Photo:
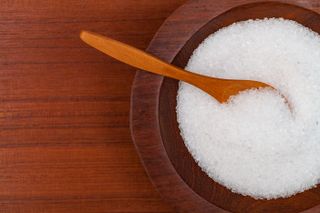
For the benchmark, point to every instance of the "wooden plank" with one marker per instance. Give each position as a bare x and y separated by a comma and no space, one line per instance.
65,142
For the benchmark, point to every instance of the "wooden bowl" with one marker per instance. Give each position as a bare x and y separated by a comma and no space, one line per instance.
153,117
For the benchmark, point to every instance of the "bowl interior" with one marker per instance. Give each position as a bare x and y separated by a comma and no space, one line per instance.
183,162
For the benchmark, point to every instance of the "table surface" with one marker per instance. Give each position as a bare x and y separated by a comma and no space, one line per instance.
65,142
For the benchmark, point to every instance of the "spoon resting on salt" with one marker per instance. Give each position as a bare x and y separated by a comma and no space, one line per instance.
220,89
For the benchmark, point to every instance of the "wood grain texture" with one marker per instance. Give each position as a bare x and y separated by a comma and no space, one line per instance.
65,143
154,125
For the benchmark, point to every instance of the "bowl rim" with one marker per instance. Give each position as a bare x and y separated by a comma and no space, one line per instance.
144,106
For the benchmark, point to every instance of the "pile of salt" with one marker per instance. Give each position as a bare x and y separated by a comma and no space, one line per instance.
254,145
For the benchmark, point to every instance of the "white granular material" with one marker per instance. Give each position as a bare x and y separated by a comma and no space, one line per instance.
254,145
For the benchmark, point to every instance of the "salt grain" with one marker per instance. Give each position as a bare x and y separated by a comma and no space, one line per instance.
254,145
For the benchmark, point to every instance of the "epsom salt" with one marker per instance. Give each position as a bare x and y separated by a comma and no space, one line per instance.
254,145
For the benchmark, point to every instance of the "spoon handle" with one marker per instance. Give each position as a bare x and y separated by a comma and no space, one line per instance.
137,58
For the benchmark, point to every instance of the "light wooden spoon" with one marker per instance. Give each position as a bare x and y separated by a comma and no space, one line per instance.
220,89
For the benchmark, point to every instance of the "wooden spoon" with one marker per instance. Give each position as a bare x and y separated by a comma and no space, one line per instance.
220,89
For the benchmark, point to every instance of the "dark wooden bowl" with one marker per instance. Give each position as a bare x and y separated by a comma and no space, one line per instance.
153,117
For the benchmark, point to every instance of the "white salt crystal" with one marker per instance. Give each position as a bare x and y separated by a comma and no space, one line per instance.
254,145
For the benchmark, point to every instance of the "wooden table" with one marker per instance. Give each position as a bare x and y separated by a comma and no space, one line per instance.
65,142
